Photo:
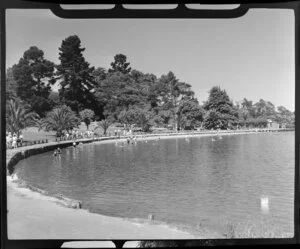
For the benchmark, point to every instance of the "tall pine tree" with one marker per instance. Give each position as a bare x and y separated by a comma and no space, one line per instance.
221,111
77,82
34,76
120,64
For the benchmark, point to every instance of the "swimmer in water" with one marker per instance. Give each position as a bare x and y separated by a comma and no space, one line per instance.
55,153
58,150
74,144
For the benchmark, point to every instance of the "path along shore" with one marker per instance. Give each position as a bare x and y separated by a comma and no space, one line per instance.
32,215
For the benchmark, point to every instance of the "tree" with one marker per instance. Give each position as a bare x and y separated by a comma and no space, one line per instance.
145,119
99,92
220,107
190,114
19,117
141,117
54,98
171,91
146,85
120,64
128,117
248,108
60,119
86,116
165,116
260,122
99,74
11,85
117,92
284,116
34,76
105,124
77,81
264,109
213,120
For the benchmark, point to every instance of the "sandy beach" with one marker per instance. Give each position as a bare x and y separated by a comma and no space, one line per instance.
32,215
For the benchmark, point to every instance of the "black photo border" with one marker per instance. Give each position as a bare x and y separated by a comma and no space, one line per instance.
119,12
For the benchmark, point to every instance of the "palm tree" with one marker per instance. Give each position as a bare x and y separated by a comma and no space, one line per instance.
19,117
60,119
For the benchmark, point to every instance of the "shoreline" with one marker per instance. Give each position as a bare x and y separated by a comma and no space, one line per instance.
44,147
37,210
32,215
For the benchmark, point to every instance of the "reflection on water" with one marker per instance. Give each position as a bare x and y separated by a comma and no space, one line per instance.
264,203
187,181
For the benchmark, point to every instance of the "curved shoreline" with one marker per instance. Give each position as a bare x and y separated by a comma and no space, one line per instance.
69,222
13,156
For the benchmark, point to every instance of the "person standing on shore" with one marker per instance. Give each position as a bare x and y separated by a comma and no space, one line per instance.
18,141
21,139
8,140
14,141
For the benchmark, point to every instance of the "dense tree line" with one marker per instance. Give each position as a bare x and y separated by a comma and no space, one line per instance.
122,95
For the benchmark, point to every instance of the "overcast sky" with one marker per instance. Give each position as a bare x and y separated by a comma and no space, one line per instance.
251,56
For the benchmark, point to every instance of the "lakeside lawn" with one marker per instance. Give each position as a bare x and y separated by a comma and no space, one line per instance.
32,133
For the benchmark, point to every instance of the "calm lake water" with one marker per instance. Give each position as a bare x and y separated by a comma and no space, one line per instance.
183,182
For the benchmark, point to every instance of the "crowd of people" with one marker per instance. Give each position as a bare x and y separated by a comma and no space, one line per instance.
123,132
13,140
75,134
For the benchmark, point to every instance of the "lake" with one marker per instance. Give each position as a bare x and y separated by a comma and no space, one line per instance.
192,183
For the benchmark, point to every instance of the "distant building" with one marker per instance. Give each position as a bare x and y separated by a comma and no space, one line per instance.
272,124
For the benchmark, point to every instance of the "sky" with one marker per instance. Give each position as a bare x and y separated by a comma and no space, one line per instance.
250,56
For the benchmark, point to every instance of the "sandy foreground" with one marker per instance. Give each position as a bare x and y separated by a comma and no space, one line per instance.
32,215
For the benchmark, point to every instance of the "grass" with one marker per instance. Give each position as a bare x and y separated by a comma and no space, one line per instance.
32,133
